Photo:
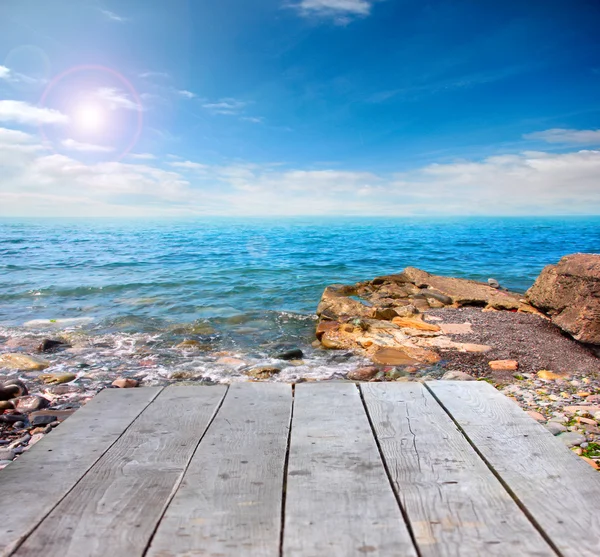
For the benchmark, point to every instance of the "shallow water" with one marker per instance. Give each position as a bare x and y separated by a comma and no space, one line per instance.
132,290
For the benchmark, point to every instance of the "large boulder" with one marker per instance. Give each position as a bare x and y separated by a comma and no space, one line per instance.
570,293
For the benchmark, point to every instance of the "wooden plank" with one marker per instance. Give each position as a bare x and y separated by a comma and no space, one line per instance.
115,508
558,489
39,479
229,503
454,503
339,500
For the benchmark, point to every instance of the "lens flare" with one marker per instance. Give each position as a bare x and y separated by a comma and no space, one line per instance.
89,118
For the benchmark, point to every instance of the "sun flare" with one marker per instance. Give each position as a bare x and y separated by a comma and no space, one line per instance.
89,118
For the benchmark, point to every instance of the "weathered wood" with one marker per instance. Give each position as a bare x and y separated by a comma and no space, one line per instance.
339,500
115,508
454,503
38,480
229,503
558,489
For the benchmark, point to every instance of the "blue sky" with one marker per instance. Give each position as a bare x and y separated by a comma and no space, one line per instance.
283,107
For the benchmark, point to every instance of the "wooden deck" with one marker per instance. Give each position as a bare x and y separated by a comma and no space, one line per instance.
319,470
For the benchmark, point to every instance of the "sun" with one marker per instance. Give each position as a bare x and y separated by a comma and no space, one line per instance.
89,118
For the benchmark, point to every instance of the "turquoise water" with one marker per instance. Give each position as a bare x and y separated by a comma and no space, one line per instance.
126,293
185,271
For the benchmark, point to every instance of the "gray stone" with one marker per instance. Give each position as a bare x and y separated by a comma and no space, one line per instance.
555,428
7,454
571,438
293,354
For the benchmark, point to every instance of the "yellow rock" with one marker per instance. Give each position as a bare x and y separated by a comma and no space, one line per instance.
470,347
23,362
504,365
189,345
549,375
415,323
57,378
584,394
392,357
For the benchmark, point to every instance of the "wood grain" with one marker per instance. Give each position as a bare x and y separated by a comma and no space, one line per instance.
229,503
558,489
39,479
114,509
339,500
455,505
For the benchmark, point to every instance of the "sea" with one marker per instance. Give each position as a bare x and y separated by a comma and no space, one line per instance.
127,293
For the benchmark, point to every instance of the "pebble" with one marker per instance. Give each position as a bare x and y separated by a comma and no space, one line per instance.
125,383
457,376
504,365
43,420
292,354
57,378
7,454
537,416
23,362
571,438
555,428
363,373
262,372
31,403
548,375
591,462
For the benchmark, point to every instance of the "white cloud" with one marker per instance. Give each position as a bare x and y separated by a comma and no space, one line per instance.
229,107
561,135
186,94
341,11
24,113
4,72
73,145
35,181
253,119
116,99
112,16
142,156
189,165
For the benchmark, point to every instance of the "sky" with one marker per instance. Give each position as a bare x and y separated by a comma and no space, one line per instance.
185,108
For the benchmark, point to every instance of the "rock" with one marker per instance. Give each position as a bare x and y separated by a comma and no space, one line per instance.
386,314
456,328
331,343
571,438
6,405
415,323
336,303
189,344
21,389
229,361
13,418
536,416
57,378
393,357
464,292
7,454
19,425
125,383
43,420
555,428
431,294
292,354
57,415
457,376
325,326
570,293
591,462
549,375
363,373
493,283
262,372
591,410
504,365
470,347
50,345
23,362
31,403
